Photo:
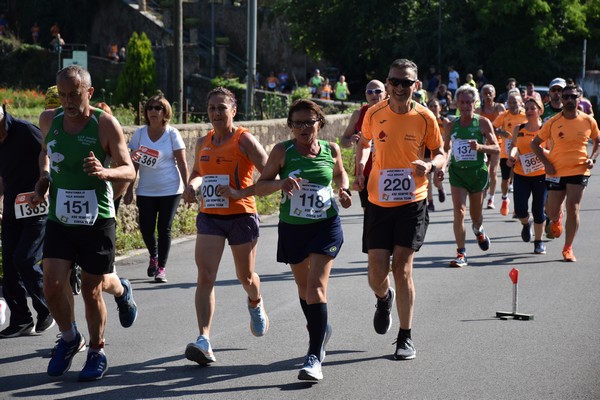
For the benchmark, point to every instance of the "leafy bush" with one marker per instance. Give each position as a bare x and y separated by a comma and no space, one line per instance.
301,92
275,106
138,76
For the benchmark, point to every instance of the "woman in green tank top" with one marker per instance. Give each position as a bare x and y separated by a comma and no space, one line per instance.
310,232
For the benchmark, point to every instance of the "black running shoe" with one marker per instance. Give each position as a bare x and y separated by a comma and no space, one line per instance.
382,321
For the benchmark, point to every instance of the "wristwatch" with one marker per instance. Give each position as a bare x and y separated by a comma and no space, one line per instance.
433,167
348,192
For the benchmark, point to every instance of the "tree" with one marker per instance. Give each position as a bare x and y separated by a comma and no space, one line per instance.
138,77
529,39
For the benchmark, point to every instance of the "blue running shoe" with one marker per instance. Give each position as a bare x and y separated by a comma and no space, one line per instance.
63,356
95,366
259,321
126,305
311,369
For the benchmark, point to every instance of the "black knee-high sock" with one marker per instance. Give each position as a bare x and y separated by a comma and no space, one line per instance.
304,306
317,323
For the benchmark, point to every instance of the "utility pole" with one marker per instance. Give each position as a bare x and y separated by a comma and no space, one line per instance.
213,64
251,57
178,25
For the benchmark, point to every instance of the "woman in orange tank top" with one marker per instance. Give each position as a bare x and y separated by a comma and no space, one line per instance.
223,169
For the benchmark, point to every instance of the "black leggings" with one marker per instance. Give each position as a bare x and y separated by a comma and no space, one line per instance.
150,209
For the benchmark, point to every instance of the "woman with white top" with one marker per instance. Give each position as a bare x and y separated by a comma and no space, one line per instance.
158,152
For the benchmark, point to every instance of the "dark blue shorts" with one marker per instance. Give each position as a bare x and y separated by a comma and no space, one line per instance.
238,229
296,242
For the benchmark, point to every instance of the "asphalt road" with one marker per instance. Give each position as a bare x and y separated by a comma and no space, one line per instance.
463,351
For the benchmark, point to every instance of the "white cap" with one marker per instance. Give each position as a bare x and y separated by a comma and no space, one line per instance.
557,82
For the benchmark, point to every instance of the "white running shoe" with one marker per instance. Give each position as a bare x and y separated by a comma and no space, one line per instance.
200,351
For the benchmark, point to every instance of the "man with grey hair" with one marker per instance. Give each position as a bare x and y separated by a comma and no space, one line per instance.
78,143
469,139
396,217
22,227
374,93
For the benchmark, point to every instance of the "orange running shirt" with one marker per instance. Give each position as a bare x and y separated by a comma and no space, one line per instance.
399,139
528,164
507,121
225,162
568,139
491,116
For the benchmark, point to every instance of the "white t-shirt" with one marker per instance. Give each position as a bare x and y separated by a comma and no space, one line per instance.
453,78
158,173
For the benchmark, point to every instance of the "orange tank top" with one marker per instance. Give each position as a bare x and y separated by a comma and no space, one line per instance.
225,162
491,116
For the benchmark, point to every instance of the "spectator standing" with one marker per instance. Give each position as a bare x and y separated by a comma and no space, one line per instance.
511,83
284,84
341,89
326,90
35,33
453,79
272,82
315,83
481,80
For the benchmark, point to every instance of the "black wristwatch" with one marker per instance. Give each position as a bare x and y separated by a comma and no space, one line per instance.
348,192
433,168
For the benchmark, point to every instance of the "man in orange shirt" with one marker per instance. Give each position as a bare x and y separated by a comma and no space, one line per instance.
567,164
396,217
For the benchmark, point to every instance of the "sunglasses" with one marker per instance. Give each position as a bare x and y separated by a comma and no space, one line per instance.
155,108
374,91
569,96
303,124
405,83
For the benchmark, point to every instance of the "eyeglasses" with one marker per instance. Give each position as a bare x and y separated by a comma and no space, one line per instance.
155,108
374,91
569,96
404,82
303,124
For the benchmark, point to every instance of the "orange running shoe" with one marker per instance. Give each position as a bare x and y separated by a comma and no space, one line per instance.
568,255
504,207
556,226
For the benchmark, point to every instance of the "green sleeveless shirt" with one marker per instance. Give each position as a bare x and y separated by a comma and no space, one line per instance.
314,202
461,155
77,199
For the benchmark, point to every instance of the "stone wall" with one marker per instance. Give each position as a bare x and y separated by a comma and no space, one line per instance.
268,133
